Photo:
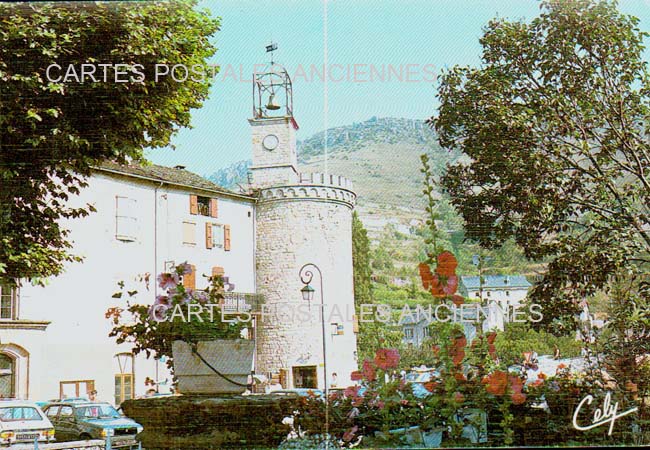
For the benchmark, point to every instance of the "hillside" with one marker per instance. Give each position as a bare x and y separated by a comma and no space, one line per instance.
381,156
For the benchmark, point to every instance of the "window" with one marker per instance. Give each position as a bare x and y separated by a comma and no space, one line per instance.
507,293
51,411
426,332
204,206
305,377
217,236
66,411
478,294
189,280
123,387
489,294
8,302
81,388
7,369
189,233
19,413
408,333
126,223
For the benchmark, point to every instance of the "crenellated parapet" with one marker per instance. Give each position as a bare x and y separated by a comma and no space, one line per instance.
313,187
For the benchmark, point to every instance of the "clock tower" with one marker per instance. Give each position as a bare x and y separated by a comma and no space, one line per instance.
273,129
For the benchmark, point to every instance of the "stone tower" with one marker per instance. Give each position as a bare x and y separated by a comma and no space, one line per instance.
300,219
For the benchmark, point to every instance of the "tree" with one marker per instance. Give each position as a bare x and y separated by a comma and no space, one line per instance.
361,262
53,132
555,125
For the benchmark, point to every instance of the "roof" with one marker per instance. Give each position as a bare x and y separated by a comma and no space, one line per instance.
169,175
496,282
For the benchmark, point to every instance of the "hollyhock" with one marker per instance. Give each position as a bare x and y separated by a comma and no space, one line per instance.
369,371
447,264
431,385
451,286
158,312
458,300
387,358
458,397
201,296
491,337
496,382
459,376
357,401
352,391
426,276
168,281
518,398
356,376
404,402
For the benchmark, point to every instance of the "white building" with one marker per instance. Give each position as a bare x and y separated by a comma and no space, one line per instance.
54,340
506,290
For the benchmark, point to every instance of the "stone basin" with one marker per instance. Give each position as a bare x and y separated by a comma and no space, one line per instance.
211,422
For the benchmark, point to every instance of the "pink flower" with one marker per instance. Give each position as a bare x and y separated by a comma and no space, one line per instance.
162,300
387,358
356,376
158,312
369,371
168,281
380,404
352,391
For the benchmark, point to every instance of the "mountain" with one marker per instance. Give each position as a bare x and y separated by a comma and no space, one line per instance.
381,156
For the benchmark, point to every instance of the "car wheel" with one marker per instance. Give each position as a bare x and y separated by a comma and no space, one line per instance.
85,437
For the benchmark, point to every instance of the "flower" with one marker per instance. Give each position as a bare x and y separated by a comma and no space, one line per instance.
561,366
349,435
352,391
369,371
356,376
431,385
447,264
541,376
518,398
497,382
458,300
426,276
158,312
404,402
387,358
168,281
458,397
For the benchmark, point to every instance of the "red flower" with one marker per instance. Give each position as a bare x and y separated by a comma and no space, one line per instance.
541,376
426,276
518,398
451,286
436,350
516,384
497,382
458,397
352,391
404,402
460,376
458,300
431,385
460,341
447,264
387,358
356,376
457,356
491,337
369,371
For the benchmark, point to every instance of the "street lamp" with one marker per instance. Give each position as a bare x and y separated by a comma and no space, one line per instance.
306,275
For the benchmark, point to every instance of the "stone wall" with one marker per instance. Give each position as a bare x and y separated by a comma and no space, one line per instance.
296,225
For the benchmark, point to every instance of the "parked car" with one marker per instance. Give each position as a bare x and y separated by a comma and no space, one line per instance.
23,421
85,420
300,392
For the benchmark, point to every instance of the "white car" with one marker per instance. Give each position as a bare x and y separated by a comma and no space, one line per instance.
23,421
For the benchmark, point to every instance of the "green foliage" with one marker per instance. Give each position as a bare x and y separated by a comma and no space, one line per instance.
361,262
519,338
52,133
554,126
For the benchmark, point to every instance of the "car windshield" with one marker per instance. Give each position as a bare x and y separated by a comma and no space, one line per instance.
97,412
16,413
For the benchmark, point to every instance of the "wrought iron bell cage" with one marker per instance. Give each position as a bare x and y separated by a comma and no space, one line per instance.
272,84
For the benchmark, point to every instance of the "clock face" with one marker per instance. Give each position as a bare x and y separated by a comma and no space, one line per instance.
270,142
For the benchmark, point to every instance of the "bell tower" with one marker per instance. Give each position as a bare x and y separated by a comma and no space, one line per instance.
273,127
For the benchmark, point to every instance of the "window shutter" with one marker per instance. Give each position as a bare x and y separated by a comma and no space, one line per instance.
217,271
208,235
214,208
226,238
189,280
194,204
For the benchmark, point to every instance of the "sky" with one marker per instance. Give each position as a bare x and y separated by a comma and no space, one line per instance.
409,40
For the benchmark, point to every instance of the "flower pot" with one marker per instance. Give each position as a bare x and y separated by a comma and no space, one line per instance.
221,366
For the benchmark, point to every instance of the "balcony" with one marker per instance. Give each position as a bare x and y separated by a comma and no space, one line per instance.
241,302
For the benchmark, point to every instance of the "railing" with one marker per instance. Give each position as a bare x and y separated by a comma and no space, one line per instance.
323,179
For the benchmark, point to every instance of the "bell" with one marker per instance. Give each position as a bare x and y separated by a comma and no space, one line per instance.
271,105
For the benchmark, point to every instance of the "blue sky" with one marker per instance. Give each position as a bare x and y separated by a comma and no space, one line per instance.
404,35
